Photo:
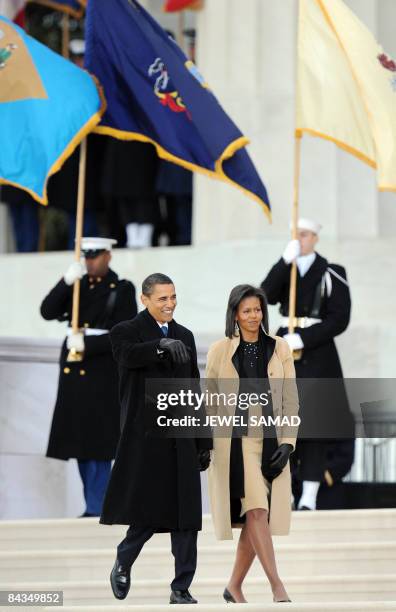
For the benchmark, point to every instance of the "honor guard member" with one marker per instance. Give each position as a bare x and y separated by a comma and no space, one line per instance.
323,307
86,420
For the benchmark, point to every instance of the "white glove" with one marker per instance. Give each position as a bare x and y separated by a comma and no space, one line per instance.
292,251
294,341
76,342
75,271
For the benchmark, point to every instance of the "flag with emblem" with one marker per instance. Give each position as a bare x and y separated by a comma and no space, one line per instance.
74,8
47,106
346,86
173,6
155,94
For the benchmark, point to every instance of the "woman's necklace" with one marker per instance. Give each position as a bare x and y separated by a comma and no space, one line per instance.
251,352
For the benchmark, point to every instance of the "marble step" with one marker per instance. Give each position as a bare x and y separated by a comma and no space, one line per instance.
351,606
157,563
322,526
301,589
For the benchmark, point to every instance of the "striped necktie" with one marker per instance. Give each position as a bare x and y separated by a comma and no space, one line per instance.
164,330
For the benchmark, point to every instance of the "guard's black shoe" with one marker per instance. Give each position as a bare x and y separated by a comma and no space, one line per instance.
182,597
120,580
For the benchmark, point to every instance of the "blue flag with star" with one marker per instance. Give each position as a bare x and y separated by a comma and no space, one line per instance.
155,94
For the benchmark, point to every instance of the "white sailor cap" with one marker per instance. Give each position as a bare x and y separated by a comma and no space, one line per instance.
309,224
94,246
77,46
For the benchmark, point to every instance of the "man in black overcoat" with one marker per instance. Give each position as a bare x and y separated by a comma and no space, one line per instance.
323,307
86,420
155,482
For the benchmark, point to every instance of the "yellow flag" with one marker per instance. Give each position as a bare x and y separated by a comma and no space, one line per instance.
346,86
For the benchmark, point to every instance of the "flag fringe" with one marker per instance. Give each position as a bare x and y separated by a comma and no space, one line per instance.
218,173
387,188
70,148
342,145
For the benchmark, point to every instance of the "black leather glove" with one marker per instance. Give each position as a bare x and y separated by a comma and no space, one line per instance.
203,460
177,350
278,461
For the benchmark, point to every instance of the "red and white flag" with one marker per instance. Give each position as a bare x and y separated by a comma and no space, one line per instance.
172,6
12,9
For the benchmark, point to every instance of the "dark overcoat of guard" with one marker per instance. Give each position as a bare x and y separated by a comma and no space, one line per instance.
328,300
86,418
322,294
155,479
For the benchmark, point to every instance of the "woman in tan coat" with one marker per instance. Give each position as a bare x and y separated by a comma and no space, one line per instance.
249,475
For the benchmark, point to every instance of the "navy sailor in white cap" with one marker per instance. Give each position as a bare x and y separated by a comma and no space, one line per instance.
323,307
86,420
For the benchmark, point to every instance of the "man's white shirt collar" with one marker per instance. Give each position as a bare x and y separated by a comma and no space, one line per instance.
163,324
304,262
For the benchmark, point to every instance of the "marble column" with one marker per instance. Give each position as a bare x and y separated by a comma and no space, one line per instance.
7,239
247,62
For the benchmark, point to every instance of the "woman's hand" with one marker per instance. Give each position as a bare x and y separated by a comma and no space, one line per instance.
279,460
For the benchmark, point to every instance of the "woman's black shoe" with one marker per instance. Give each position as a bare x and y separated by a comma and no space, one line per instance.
120,580
228,597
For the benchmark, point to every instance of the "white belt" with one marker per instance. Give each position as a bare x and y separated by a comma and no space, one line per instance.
89,331
301,322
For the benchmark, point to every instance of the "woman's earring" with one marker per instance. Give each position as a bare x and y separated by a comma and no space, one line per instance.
236,329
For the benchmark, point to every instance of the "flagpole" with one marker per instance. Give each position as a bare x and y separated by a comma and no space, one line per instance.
65,35
73,354
297,354
181,27
295,210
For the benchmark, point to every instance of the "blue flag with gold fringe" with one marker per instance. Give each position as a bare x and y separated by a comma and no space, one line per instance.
155,94
47,106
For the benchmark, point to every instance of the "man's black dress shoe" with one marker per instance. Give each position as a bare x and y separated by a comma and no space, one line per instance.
120,580
182,597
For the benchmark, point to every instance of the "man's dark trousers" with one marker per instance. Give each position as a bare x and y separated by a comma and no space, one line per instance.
184,550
